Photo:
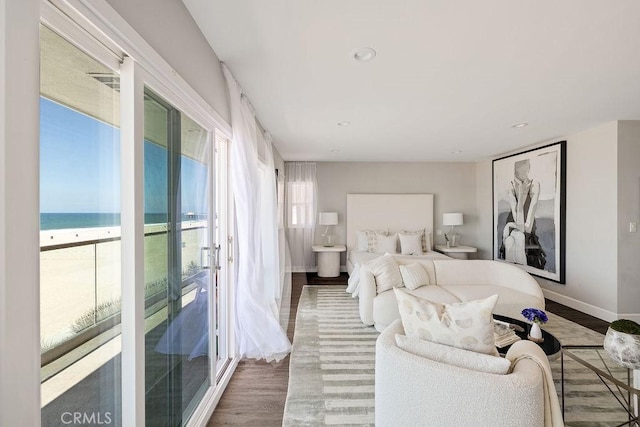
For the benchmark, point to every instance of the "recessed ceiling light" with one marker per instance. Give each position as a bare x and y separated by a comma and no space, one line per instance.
335,151
520,125
456,152
364,54
344,123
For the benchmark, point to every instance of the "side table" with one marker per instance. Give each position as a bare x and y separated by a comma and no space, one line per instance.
621,383
329,259
458,252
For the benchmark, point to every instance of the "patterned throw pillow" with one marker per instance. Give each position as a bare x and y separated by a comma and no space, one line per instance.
372,239
386,271
414,275
467,325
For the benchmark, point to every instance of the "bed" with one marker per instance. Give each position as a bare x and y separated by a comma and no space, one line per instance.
391,213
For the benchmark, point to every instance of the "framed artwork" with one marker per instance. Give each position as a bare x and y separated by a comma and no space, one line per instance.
529,194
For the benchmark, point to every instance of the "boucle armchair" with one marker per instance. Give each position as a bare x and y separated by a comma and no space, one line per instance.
412,390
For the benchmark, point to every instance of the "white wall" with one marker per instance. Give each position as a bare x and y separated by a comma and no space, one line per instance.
628,211
169,28
453,186
484,205
591,225
19,213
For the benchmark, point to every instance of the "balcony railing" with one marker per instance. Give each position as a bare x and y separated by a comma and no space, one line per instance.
80,284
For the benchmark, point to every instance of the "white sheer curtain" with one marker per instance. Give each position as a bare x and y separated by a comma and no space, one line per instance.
258,330
301,204
274,252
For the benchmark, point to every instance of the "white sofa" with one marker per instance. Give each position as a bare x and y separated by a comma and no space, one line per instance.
412,390
454,281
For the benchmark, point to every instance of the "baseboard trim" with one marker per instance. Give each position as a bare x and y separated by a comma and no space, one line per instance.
634,317
584,307
343,269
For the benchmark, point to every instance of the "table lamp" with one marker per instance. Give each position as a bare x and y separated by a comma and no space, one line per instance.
452,219
329,219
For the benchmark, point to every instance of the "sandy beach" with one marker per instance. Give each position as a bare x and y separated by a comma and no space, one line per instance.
73,279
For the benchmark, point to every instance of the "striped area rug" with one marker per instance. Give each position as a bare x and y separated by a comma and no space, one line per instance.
331,371
331,374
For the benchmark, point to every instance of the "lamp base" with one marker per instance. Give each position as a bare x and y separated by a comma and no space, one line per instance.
453,239
327,240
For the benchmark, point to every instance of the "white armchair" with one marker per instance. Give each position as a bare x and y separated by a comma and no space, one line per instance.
412,390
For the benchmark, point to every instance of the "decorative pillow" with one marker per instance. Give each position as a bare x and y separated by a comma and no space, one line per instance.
363,240
410,244
424,236
461,358
385,270
386,244
414,275
467,325
427,242
372,239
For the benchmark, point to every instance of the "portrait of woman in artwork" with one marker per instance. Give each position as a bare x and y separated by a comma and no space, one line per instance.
529,195
520,243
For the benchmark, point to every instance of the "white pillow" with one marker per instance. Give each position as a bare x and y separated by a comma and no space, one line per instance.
425,237
456,357
467,325
372,239
410,244
386,243
385,270
414,275
363,240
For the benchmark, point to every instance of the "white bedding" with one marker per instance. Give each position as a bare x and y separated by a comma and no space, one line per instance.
356,258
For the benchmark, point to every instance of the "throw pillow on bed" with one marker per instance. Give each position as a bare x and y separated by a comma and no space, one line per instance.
372,239
410,244
425,237
414,275
385,270
467,325
386,244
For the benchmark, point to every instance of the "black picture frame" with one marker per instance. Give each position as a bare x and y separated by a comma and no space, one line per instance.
529,210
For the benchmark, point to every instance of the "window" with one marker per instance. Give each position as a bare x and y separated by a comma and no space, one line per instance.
301,212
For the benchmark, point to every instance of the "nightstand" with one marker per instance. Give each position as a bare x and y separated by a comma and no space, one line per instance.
329,259
458,252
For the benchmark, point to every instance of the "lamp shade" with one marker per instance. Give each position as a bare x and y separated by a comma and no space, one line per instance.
328,218
454,218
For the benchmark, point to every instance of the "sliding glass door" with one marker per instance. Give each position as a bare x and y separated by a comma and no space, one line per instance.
178,273
92,136
80,260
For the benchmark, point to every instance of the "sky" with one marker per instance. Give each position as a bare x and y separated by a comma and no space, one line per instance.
80,167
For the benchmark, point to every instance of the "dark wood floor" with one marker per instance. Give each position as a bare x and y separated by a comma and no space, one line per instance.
257,391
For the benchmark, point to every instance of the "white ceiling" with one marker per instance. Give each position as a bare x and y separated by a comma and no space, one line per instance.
449,75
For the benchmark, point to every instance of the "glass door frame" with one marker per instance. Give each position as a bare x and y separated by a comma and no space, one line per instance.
83,20
134,80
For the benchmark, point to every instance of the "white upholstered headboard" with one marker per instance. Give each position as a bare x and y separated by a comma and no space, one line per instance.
394,212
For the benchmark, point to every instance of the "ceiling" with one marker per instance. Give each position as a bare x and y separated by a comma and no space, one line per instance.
448,76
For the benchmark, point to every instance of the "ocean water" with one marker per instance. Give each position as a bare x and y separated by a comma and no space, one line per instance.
56,221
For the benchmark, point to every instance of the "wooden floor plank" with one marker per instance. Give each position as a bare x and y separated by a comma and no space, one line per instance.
257,391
